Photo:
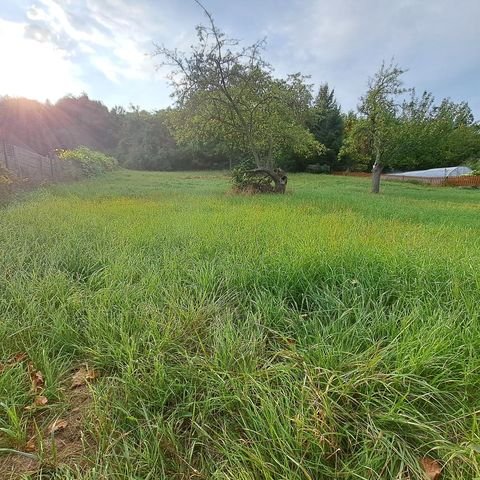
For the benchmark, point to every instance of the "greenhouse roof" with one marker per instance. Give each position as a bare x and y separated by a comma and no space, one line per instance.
436,172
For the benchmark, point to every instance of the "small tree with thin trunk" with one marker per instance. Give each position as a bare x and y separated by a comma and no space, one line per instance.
379,107
226,92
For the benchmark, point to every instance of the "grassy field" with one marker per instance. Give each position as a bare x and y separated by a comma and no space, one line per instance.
323,334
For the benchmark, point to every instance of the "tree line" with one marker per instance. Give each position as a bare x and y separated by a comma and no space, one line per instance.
426,134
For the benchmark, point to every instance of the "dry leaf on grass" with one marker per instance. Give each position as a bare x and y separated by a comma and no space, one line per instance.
41,401
36,378
31,445
17,358
57,426
82,376
431,467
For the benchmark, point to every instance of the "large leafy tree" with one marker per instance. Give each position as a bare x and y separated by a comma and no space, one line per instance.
356,150
145,141
430,135
228,93
43,127
326,123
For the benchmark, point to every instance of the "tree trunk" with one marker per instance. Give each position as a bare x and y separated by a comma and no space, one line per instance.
278,176
376,174
280,181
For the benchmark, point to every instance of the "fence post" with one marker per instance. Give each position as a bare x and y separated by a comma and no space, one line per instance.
51,167
5,154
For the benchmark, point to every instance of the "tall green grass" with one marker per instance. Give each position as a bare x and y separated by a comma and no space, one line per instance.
322,334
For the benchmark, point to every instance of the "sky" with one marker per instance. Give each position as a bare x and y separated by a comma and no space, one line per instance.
51,48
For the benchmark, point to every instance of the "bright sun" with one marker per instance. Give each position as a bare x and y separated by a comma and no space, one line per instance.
34,69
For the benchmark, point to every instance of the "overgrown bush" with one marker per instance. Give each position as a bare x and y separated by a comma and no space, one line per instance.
318,168
5,177
90,162
8,182
240,173
244,180
474,164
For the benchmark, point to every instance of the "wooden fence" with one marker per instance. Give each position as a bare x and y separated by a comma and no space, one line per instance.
462,181
33,167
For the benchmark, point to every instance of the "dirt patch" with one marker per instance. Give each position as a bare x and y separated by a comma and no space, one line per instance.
72,441
63,441
12,467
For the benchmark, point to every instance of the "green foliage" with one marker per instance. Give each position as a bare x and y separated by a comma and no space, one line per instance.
240,173
379,109
227,94
277,133
72,121
89,162
6,178
356,153
474,164
428,136
412,134
326,123
244,180
8,184
319,335
318,168
146,143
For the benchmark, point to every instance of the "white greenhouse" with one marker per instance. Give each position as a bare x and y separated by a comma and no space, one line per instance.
447,172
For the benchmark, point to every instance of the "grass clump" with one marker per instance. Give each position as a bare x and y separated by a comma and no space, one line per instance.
322,334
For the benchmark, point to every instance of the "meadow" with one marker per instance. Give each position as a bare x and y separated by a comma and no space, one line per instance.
325,333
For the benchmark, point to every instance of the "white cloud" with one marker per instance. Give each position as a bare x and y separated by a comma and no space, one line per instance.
35,69
115,44
344,42
51,14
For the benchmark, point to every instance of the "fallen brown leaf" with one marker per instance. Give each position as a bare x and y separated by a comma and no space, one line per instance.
57,426
31,445
41,400
36,378
17,358
431,467
82,376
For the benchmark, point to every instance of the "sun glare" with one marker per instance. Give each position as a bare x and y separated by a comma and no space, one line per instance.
35,70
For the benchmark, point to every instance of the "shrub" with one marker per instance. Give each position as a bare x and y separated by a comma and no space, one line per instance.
240,175
244,180
90,162
474,164
5,178
318,168
8,182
